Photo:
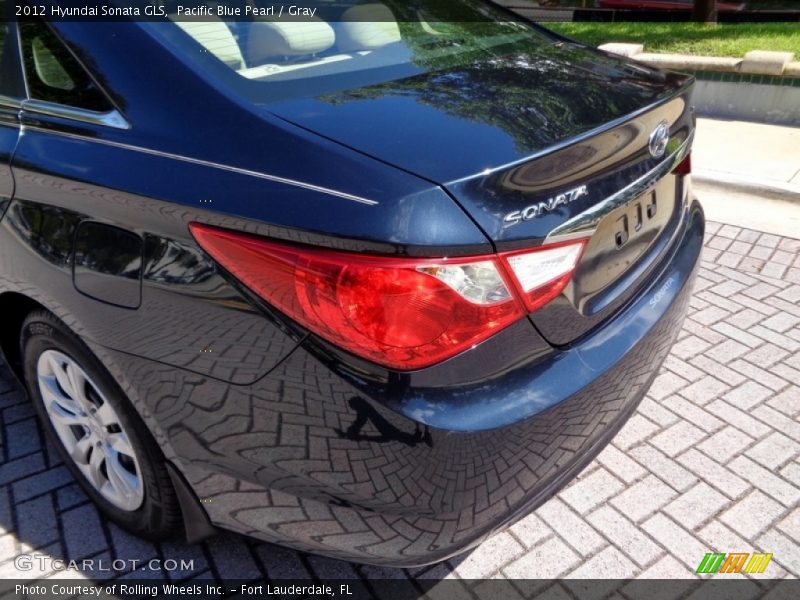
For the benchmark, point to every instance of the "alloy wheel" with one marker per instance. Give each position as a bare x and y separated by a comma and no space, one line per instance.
90,430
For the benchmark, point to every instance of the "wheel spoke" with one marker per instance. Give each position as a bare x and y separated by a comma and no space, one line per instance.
106,415
95,471
53,396
78,383
80,453
121,444
61,375
64,415
123,482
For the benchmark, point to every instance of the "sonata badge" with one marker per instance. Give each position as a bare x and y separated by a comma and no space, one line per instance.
540,208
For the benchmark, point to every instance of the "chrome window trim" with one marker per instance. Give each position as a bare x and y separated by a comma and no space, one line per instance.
21,60
9,102
112,118
585,224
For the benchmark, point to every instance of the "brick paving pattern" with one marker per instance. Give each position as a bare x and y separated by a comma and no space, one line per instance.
708,462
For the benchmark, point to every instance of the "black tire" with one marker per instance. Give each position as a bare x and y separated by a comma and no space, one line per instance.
158,517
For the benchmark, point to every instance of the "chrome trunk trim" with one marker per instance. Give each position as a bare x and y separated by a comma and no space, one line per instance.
585,224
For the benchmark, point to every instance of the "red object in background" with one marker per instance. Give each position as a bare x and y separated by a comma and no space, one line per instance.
685,168
679,5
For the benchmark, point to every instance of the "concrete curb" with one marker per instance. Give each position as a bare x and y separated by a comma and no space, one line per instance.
755,62
777,189
761,87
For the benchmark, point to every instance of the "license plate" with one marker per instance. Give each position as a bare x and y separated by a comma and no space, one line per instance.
623,237
639,215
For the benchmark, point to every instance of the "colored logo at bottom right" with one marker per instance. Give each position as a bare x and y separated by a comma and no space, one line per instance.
734,562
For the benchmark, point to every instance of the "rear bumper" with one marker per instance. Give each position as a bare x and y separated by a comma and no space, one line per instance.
386,470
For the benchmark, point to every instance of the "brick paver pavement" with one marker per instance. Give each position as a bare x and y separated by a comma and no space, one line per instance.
708,462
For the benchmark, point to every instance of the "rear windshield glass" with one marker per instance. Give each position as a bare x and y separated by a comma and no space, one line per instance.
344,44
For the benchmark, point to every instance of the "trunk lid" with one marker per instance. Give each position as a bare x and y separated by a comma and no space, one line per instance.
527,143
457,122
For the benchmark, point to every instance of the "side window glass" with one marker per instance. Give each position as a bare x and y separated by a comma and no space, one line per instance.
10,73
3,39
52,72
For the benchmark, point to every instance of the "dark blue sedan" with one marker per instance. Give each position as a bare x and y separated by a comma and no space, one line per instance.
371,282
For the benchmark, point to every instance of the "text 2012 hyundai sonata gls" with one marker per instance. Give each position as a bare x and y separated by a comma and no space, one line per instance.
371,284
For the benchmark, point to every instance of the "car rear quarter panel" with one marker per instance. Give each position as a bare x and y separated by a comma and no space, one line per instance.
381,469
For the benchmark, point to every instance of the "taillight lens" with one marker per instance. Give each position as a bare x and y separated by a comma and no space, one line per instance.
399,312
544,273
685,166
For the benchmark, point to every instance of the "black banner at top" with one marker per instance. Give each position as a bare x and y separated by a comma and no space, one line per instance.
303,10
163,10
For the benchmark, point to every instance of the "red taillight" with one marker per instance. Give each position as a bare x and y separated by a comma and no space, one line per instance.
399,312
543,274
685,166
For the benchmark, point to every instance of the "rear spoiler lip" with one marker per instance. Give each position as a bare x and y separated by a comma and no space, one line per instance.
688,84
